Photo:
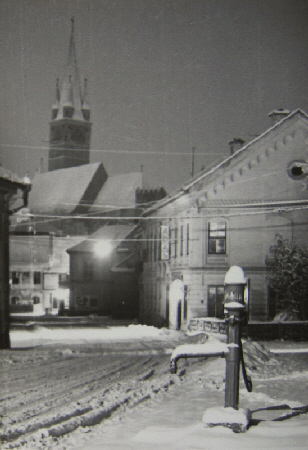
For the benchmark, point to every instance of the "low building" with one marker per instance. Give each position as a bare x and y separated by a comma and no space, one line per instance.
39,273
226,215
104,273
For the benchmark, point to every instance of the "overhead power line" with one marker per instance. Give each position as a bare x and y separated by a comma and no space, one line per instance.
120,151
264,210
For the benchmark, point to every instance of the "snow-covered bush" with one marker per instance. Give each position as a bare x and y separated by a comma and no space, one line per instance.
288,277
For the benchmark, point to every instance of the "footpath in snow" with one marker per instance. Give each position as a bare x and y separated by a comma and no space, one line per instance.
173,419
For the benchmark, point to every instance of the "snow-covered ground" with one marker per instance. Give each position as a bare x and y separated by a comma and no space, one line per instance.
111,388
66,335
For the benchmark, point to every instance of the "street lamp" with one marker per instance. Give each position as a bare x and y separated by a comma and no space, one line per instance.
103,248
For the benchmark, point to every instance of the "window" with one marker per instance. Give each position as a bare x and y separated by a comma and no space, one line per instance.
151,246
14,300
182,240
63,280
176,242
172,243
36,299
88,273
15,277
25,277
217,237
215,302
187,241
37,277
154,247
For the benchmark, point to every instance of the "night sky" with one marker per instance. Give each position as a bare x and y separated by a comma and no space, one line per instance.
163,76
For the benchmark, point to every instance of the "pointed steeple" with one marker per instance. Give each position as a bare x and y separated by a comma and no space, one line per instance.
70,97
70,127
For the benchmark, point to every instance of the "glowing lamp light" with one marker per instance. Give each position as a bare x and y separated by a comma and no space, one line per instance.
102,248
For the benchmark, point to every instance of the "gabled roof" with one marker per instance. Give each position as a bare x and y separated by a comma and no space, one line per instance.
212,172
115,234
62,190
118,192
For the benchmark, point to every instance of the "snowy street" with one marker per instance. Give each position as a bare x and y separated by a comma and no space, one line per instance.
112,388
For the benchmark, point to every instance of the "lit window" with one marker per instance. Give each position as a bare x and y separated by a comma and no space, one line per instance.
217,238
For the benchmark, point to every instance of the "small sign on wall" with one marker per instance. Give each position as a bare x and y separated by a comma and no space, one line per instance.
164,242
51,281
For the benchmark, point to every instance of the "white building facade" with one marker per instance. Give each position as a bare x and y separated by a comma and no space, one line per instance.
228,215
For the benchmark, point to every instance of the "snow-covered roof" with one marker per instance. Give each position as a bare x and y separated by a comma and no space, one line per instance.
115,234
7,175
118,192
61,191
212,171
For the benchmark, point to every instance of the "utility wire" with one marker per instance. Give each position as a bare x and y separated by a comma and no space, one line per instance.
98,150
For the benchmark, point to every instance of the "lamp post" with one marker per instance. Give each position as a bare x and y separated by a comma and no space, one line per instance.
235,282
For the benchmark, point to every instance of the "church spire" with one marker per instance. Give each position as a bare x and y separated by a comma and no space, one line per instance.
70,95
70,127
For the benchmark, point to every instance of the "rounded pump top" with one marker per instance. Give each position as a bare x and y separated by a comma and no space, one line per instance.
235,275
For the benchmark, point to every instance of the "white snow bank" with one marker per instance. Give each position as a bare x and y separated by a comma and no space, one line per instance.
82,335
227,416
208,348
255,397
288,350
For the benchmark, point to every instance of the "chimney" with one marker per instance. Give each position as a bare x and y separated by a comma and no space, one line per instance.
236,144
278,114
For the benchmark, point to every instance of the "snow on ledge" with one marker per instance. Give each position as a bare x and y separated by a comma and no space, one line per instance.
234,305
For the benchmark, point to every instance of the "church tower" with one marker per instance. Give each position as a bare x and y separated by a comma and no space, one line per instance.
70,127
